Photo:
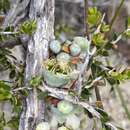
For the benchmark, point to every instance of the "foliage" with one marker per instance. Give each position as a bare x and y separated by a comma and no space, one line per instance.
94,16
4,5
35,81
28,27
9,63
5,91
62,63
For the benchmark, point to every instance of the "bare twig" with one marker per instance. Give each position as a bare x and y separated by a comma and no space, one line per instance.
8,33
12,16
116,13
120,37
85,18
94,82
99,27
98,96
111,125
84,67
22,88
117,88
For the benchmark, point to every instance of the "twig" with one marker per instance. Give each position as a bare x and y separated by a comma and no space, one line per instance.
111,125
120,37
84,67
98,96
19,89
12,15
85,18
116,13
94,81
22,39
8,33
97,92
100,25
123,101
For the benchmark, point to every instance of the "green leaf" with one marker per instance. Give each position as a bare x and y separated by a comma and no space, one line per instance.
35,81
4,5
42,95
104,116
127,34
112,81
12,74
85,94
108,46
5,91
105,27
99,39
94,16
128,22
128,74
13,123
103,52
28,27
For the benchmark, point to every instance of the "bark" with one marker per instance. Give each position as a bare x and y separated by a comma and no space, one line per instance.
18,11
11,19
43,12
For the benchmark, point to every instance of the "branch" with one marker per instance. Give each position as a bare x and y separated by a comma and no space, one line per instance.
120,37
20,89
100,25
8,33
85,18
89,55
63,94
116,13
22,39
37,51
117,88
17,12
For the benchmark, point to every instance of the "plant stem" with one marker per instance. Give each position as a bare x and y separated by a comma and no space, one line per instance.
86,33
98,96
123,101
116,13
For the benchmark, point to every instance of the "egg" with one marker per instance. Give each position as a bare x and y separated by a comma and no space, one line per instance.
73,122
43,126
75,49
54,122
65,107
55,46
82,42
63,128
63,57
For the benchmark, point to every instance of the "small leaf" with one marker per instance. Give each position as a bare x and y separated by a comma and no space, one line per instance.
128,22
35,81
104,116
94,16
28,27
12,74
85,94
5,93
42,95
99,39
105,27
